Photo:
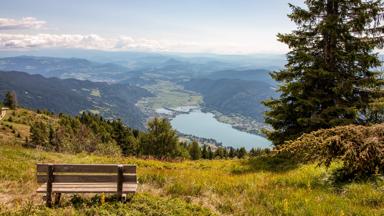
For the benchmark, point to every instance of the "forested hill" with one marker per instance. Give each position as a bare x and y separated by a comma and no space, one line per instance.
255,74
73,96
66,68
233,96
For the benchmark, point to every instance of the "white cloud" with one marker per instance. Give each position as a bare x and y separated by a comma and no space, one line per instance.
23,23
122,43
91,41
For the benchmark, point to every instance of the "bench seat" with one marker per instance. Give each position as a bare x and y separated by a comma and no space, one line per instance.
88,188
56,179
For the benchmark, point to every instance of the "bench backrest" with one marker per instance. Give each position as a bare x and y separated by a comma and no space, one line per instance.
82,173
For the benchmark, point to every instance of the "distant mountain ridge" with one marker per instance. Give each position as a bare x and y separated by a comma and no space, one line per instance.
66,68
254,74
73,96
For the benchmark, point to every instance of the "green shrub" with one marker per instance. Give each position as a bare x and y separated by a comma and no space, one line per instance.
360,148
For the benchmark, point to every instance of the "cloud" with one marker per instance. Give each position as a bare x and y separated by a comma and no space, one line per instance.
121,43
23,23
91,41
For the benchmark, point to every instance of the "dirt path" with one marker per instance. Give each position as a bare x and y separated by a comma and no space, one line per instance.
3,112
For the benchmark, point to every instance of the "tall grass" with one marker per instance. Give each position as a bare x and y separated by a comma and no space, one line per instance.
259,186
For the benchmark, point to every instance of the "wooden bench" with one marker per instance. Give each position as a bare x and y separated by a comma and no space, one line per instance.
85,178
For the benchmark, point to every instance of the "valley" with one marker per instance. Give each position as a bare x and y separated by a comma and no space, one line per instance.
136,90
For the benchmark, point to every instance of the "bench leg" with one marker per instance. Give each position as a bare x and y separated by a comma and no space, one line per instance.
57,198
48,199
49,185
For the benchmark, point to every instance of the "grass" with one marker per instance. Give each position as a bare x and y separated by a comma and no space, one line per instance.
258,186
167,94
221,187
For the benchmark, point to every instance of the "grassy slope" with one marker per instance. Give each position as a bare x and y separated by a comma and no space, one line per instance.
232,187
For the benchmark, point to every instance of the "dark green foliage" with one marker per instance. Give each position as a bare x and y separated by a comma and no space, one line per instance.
113,131
328,79
195,151
375,111
210,153
219,153
161,140
204,152
72,96
241,153
93,134
360,148
231,152
10,100
39,134
254,152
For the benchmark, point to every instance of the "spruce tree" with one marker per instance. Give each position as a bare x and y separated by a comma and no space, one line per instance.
204,152
241,152
210,153
10,100
195,151
328,80
161,140
39,134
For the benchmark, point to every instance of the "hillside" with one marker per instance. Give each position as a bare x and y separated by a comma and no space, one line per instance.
258,186
66,68
233,96
73,96
256,75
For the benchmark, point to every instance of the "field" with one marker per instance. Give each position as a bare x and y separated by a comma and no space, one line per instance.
168,94
259,186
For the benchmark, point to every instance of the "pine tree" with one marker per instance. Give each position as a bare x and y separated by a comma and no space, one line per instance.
161,139
241,152
204,152
39,134
328,79
231,153
195,151
10,100
210,153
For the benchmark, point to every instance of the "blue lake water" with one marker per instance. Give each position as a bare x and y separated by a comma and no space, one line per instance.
205,125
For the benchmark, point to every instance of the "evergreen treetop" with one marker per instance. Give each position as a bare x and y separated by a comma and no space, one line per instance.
10,100
328,80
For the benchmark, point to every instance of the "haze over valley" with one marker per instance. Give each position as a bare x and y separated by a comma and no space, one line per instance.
137,86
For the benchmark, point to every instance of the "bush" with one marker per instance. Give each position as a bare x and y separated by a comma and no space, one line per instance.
111,149
360,148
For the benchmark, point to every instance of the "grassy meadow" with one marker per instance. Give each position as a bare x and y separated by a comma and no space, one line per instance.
259,186
263,185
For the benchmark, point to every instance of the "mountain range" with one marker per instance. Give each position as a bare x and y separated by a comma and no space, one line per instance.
66,68
72,85
73,96
233,96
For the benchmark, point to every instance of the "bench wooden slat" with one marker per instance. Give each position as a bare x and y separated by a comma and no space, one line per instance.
86,178
111,188
85,185
89,168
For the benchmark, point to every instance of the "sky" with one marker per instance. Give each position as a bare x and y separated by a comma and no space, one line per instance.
190,26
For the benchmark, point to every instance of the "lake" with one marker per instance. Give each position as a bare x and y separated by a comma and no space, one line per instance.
205,125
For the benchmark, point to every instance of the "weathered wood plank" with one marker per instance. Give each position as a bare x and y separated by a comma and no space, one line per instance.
127,188
86,168
86,178
86,185
90,190
83,185
120,180
49,179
